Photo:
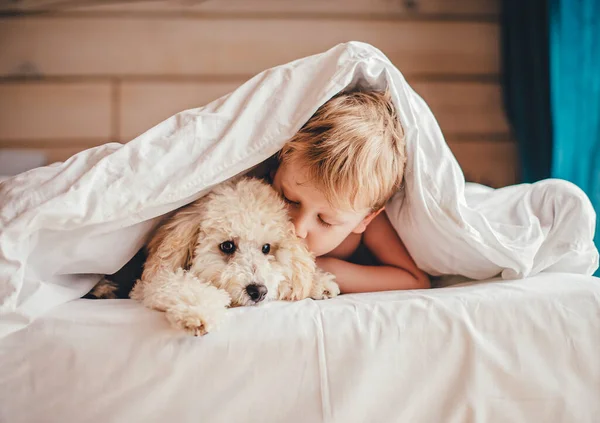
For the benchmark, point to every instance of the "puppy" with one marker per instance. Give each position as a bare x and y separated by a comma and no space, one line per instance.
233,247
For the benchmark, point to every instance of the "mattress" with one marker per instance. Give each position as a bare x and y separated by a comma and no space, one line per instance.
494,351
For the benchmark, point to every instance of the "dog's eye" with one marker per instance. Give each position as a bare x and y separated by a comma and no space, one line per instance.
228,247
266,248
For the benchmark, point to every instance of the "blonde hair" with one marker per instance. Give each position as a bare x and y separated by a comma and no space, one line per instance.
353,149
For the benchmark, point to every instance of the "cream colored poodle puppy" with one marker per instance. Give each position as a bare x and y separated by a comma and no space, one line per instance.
233,247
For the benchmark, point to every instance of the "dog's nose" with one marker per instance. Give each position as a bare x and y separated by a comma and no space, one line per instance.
256,292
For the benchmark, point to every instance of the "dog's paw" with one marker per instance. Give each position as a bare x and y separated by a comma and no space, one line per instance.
189,319
325,286
203,314
195,320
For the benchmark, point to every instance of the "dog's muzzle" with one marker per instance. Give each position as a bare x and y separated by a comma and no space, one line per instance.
256,292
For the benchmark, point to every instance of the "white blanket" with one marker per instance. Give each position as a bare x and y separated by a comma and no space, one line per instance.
64,224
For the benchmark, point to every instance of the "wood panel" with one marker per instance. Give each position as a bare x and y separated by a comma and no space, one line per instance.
465,108
492,163
460,107
387,8
144,104
54,111
109,70
191,47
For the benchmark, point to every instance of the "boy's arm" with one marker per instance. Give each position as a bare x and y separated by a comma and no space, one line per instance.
397,269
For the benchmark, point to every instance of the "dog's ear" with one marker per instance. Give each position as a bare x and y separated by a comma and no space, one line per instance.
172,245
300,267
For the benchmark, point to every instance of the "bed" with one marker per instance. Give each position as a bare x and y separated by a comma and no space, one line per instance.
493,351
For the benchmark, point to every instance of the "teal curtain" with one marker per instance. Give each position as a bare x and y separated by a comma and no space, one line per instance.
574,36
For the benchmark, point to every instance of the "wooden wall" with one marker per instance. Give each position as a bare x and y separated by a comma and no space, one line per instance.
77,77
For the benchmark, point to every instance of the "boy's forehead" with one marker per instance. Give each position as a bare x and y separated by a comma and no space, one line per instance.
294,172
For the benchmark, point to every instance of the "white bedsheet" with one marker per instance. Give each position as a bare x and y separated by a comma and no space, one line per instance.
501,351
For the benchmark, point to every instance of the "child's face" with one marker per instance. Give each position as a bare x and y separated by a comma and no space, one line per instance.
321,226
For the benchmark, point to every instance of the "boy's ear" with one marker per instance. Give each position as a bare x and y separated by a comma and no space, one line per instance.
362,226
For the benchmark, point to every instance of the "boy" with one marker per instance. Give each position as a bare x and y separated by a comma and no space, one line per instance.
336,174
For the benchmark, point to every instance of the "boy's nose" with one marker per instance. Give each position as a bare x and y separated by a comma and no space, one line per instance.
300,227
301,232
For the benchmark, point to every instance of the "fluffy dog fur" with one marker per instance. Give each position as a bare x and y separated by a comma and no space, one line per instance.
233,247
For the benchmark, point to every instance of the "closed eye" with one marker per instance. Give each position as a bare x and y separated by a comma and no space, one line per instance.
288,201
297,204
323,223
